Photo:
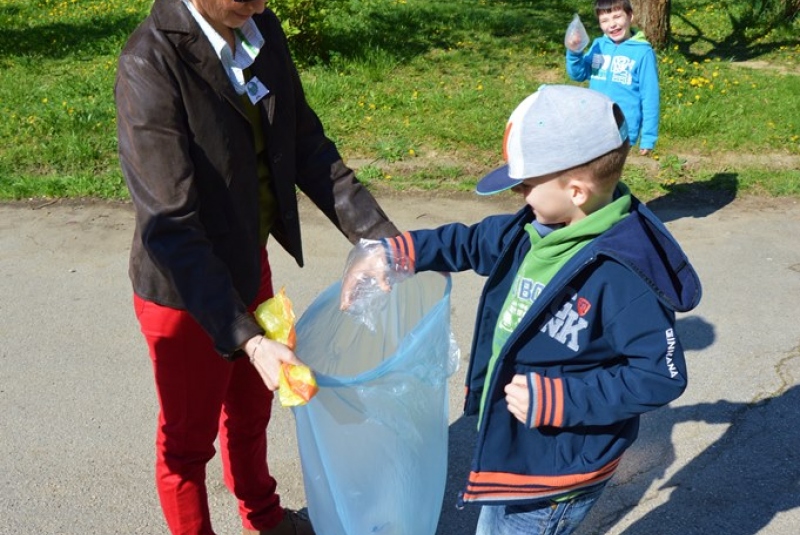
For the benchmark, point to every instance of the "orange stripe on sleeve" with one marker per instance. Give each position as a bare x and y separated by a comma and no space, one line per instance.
412,255
393,249
539,400
547,417
558,400
402,248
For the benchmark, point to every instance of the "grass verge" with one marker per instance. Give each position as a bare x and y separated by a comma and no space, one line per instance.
416,93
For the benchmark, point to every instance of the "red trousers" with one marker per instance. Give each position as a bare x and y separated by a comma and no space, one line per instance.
202,396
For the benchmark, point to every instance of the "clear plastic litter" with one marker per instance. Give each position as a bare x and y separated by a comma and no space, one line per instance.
370,273
576,38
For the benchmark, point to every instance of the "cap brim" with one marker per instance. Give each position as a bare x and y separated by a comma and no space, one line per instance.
495,182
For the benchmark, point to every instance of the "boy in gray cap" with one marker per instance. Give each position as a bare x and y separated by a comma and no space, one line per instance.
575,336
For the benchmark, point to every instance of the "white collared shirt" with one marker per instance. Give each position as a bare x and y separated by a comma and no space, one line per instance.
249,42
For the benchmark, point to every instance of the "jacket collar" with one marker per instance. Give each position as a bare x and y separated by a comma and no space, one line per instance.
177,24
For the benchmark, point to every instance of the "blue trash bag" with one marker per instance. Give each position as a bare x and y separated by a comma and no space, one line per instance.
373,441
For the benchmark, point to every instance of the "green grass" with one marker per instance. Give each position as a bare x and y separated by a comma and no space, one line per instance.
416,93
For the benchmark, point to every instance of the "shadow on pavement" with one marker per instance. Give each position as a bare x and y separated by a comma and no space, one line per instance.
735,486
739,483
697,199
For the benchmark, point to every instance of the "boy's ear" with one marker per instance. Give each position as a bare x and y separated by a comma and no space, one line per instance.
579,191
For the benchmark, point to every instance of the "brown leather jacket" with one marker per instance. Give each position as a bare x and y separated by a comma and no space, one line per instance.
187,154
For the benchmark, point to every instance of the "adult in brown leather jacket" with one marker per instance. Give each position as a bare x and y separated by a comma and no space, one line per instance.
212,172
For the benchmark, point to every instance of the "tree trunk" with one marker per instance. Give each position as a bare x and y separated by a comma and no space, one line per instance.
652,17
791,9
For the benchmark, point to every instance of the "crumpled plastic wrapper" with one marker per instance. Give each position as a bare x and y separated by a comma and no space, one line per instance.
369,275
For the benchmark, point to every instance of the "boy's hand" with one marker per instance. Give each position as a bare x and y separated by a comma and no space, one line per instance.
573,42
366,266
645,152
517,398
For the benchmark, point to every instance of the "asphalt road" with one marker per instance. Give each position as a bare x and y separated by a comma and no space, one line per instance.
78,408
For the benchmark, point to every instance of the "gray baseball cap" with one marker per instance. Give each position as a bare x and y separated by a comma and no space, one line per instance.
556,128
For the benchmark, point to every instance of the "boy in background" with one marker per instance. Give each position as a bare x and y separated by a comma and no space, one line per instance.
622,65
575,332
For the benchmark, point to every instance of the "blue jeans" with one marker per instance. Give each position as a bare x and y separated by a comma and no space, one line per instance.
540,518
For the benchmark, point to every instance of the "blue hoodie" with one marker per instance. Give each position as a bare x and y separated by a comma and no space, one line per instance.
598,346
628,74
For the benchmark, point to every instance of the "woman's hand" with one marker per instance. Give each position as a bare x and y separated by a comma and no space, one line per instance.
267,355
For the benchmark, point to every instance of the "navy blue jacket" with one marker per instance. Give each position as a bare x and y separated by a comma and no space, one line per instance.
598,347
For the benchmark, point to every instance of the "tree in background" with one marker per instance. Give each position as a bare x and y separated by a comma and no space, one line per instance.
750,19
652,17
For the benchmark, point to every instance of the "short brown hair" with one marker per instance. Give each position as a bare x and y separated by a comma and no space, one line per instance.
606,6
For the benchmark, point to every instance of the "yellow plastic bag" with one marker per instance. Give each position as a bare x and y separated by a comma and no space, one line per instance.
276,317
296,383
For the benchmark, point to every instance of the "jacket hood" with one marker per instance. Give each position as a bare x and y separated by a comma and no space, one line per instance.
637,38
643,244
